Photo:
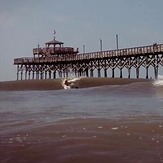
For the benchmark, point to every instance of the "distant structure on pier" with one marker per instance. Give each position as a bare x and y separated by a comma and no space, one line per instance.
54,49
54,60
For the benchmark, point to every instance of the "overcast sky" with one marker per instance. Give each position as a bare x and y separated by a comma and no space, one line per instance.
25,23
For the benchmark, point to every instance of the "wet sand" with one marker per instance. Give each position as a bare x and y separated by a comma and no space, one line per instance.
55,84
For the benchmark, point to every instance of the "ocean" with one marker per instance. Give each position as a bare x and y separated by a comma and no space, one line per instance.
113,123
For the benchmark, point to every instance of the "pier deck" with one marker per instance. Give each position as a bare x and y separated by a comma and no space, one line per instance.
48,65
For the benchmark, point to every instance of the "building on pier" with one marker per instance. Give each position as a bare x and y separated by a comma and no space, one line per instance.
55,60
52,49
52,52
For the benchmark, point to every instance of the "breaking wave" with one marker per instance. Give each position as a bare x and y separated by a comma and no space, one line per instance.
159,81
70,83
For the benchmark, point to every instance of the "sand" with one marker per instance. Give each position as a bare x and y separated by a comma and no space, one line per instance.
55,84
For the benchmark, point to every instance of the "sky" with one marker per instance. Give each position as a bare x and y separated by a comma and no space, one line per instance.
26,23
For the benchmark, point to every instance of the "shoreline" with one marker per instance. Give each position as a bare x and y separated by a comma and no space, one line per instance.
56,84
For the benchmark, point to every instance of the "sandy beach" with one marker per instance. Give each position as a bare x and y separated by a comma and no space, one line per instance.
55,84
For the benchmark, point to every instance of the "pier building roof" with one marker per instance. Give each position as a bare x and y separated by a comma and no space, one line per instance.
54,42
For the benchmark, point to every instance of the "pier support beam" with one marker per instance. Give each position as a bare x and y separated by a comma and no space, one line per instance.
45,74
121,73
33,75
80,72
87,73
113,74
60,74
156,71
147,77
37,75
18,75
17,72
49,74
66,73
54,75
99,73
105,72
21,75
76,73
91,72
41,75
129,73
26,75
137,72
29,75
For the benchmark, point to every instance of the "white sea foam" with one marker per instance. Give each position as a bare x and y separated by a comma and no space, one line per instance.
159,81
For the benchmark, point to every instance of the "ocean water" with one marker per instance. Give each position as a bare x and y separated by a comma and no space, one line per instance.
120,123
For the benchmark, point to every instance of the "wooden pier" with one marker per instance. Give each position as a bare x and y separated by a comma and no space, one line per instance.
55,60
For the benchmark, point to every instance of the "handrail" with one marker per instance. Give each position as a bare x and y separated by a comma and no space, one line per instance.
54,49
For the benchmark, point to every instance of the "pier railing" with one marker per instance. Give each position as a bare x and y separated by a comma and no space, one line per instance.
145,50
51,50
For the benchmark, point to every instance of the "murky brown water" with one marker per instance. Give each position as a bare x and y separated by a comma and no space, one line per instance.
103,124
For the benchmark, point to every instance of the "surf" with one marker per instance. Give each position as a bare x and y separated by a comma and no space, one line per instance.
71,83
159,81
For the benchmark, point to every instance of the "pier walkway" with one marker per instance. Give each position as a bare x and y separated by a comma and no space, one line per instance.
48,66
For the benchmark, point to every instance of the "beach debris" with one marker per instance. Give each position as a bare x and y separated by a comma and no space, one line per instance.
114,128
84,128
94,136
160,126
63,136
